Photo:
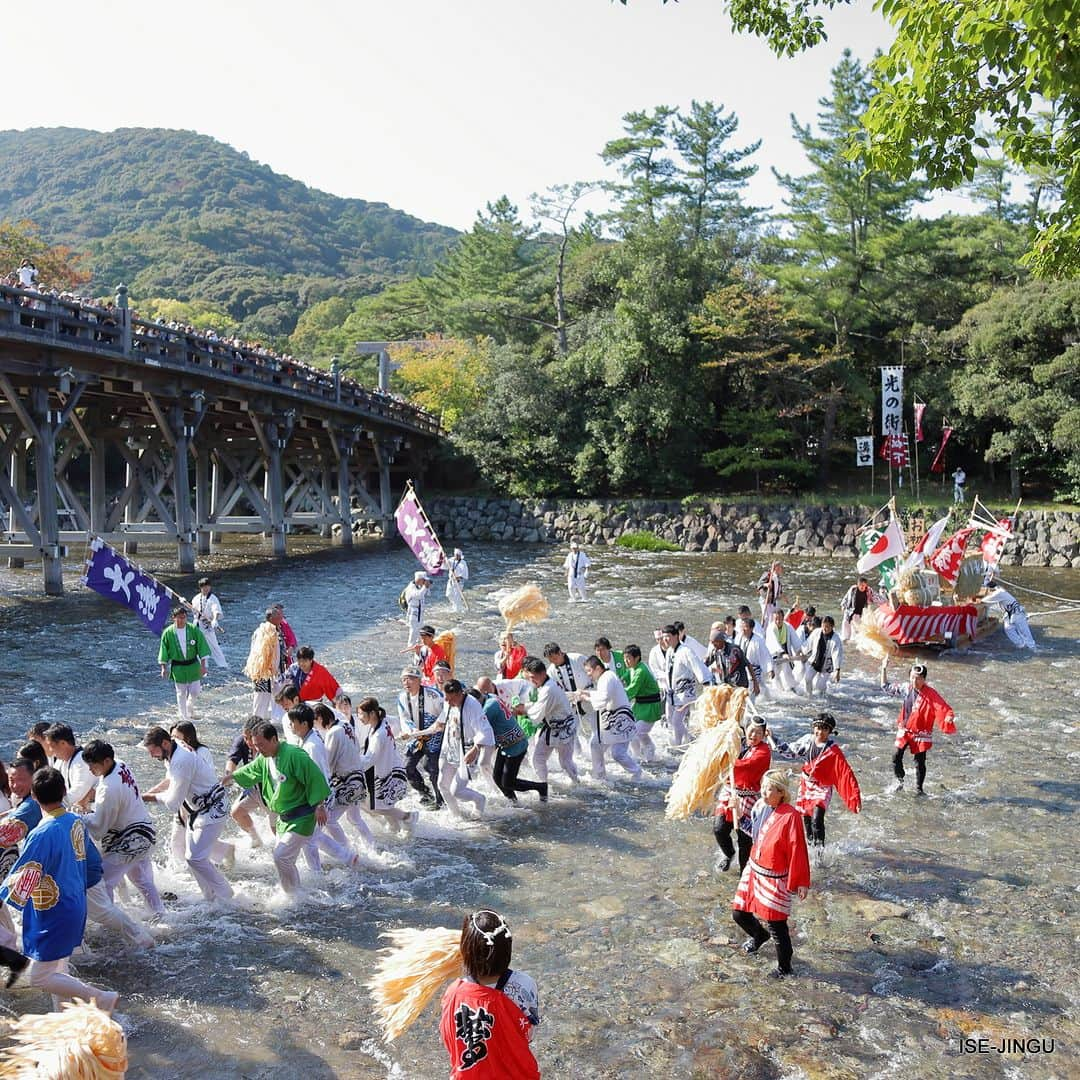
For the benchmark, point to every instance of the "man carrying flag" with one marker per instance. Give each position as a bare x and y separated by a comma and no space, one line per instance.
182,655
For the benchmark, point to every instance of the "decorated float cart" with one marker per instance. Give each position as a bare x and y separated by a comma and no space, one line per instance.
931,589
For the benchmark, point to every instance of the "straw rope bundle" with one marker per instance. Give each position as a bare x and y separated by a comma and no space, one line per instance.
78,1043
969,579
448,643
409,974
871,639
716,705
705,766
523,605
262,661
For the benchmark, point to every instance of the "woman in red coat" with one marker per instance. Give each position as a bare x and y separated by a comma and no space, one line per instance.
752,765
778,870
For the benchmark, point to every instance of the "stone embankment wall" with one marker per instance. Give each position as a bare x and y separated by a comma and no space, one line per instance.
1044,538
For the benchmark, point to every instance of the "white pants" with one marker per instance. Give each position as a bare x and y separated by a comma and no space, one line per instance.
140,873
816,683
620,752
333,842
575,586
849,625
676,718
454,786
101,909
1018,631
286,852
543,750
196,847
264,706
215,648
52,977
414,629
641,744
785,675
186,693
355,818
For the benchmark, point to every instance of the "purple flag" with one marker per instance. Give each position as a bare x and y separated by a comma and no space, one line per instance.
417,532
111,575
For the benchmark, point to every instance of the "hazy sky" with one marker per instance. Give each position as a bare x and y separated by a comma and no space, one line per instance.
433,106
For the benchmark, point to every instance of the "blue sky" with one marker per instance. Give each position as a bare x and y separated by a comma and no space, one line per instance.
432,107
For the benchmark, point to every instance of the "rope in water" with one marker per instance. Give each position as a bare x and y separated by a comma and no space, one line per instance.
1053,611
1036,592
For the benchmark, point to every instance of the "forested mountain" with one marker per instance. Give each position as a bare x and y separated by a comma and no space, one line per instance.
180,215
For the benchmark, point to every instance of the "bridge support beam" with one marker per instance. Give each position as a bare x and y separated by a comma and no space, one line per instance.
18,485
185,531
384,458
326,529
275,491
215,498
202,501
131,484
52,566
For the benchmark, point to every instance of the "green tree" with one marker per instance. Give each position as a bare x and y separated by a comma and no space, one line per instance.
643,157
712,179
57,265
1019,383
954,65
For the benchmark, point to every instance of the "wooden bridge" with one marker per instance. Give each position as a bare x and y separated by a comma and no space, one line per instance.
129,430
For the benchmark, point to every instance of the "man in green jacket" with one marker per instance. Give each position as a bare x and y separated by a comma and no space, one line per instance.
612,658
182,655
293,787
644,693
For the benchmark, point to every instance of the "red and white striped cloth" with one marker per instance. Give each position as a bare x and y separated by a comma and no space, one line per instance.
908,625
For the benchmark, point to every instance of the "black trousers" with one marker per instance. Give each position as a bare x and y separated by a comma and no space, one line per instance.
920,766
505,774
420,758
815,826
778,929
722,829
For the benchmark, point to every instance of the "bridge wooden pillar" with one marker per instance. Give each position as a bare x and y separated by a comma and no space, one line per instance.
202,500
52,566
326,529
384,457
185,533
274,489
98,495
18,484
215,498
131,483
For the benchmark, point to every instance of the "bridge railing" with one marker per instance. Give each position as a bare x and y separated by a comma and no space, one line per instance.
76,322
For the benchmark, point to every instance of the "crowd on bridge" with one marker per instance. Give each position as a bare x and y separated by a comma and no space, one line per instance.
172,338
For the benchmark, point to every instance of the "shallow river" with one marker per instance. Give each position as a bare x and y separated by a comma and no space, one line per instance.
949,916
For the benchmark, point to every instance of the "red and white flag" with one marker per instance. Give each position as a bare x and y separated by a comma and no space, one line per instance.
938,464
947,559
889,545
993,543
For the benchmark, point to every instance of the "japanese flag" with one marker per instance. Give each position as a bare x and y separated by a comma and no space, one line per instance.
889,545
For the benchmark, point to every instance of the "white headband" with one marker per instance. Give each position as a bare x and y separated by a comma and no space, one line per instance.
490,935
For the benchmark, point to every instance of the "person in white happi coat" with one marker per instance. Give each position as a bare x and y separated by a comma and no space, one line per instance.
823,655
303,734
346,777
384,771
568,670
416,594
689,640
681,673
457,573
856,600
657,663
576,564
418,707
770,589
208,617
755,651
784,644
66,756
121,826
549,708
1014,618
192,792
615,725
466,735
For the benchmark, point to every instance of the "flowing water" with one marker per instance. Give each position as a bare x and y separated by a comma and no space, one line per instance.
936,918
